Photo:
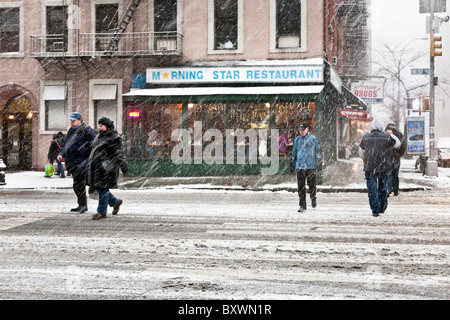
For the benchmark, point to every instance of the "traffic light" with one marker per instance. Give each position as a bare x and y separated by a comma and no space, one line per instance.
425,104
414,104
434,46
418,104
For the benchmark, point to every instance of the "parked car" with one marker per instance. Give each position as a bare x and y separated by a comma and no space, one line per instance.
443,147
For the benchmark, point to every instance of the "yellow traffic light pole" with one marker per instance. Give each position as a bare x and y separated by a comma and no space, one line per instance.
433,53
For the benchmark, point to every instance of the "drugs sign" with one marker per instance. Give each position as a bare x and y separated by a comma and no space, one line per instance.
371,92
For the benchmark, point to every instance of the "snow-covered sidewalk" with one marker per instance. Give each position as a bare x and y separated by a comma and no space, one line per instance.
410,180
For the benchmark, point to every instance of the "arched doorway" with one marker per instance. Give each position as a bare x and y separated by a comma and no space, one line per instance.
17,134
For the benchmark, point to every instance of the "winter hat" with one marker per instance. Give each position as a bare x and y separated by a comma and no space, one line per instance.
106,122
303,126
391,126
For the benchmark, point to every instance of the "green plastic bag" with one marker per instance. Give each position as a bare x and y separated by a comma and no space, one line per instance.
48,169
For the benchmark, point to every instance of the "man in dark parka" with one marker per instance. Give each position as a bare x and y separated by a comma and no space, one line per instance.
76,149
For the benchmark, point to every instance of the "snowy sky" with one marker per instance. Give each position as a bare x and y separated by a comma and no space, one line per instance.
398,23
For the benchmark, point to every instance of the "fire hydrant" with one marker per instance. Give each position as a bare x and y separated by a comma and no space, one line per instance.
2,172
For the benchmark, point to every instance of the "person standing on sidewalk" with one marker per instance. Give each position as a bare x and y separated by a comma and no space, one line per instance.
106,158
396,154
52,155
76,150
375,150
306,159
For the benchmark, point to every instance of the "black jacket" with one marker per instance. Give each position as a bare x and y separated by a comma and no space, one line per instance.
55,148
106,158
77,147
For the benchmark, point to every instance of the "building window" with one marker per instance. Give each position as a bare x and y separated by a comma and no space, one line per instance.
54,98
105,102
165,24
288,25
165,15
106,21
225,26
9,30
55,118
57,30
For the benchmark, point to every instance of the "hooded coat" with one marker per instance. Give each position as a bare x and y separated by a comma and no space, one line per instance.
106,158
375,148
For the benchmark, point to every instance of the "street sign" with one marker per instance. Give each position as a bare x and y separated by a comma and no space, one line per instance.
420,71
352,113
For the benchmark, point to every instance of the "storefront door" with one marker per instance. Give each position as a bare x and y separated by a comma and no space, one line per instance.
17,135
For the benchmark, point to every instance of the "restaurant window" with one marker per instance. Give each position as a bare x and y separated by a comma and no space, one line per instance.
250,115
211,116
254,119
55,103
106,22
288,116
57,30
9,30
150,127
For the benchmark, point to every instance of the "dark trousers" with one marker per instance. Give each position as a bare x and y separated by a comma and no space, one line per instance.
79,186
377,188
393,179
395,172
310,176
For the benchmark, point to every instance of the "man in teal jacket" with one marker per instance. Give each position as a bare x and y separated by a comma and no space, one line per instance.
305,161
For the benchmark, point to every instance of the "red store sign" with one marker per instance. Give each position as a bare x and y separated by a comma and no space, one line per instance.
352,113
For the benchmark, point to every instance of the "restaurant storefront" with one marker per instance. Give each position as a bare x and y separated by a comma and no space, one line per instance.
217,120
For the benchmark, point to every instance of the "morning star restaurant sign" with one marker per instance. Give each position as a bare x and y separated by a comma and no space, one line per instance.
239,74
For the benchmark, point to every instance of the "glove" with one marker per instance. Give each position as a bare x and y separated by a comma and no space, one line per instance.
319,166
292,168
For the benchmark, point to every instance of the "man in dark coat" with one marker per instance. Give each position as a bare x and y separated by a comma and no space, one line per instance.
76,150
375,150
396,154
106,158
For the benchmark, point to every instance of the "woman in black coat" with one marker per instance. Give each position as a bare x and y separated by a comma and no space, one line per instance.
106,158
